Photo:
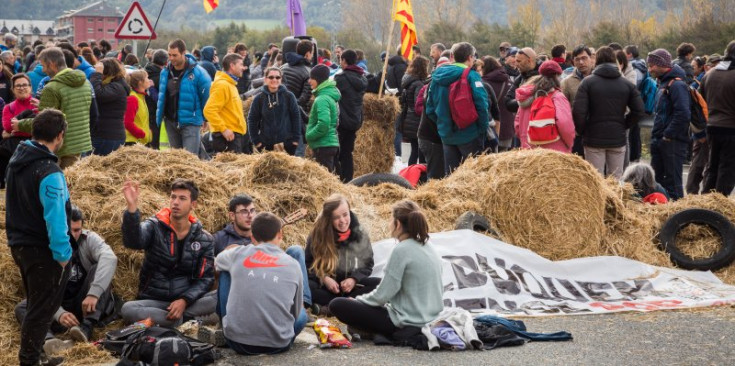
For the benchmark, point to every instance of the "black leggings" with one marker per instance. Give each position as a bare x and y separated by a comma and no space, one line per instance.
321,296
373,319
416,157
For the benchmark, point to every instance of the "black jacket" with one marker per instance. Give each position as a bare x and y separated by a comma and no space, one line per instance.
151,99
687,67
511,104
394,75
500,82
296,78
226,237
427,127
274,117
354,256
112,100
351,83
25,222
170,271
408,122
600,107
243,84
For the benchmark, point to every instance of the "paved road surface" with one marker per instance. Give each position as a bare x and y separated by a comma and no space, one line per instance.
697,337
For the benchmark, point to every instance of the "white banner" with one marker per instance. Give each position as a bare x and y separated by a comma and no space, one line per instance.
485,275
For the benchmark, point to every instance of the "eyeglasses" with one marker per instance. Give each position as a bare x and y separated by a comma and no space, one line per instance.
245,212
21,86
502,49
274,77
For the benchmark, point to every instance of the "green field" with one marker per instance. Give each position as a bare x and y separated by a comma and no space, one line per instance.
255,24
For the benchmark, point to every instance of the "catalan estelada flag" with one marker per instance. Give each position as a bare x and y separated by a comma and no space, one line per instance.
404,14
210,5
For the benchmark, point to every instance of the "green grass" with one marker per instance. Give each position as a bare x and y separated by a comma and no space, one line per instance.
255,24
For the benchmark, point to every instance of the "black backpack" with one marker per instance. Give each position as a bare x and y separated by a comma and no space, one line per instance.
157,346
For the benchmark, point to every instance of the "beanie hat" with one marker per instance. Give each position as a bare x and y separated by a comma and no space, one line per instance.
442,61
659,57
320,73
550,69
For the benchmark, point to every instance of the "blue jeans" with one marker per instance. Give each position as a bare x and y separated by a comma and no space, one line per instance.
301,148
223,293
183,137
296,252
454,155
104,147
667,161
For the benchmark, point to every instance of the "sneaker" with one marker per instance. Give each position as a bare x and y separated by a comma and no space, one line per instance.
50,361
215,336
359,335
320,310
80,333
54,346
210,319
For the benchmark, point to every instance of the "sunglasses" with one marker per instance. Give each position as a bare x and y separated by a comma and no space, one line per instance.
274,77
501,49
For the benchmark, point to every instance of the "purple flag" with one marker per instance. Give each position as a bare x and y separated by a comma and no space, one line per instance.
295,18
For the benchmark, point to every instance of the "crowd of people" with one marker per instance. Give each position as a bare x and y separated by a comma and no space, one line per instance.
73,101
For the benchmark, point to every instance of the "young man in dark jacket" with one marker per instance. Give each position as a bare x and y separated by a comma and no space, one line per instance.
351,83
178,268
37,224
296,78
599,114
154,68
685,53
670,133
718,89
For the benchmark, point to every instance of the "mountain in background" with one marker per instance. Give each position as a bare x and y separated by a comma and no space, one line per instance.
256,14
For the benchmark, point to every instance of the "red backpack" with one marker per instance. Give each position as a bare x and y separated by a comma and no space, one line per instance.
542,128
461,103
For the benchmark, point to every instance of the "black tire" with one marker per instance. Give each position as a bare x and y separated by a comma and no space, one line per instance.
474,221
373,179
714,220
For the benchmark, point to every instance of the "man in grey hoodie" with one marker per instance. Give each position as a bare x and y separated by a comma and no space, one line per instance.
87,298
267,282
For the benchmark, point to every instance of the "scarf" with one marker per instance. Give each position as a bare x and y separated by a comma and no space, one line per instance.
342,237
560,60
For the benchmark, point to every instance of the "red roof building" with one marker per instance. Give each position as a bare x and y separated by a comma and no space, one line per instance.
96,21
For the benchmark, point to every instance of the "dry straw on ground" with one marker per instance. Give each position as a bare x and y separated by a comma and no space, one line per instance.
551,203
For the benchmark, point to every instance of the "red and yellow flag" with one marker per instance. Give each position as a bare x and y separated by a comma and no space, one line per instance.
210,5
404,14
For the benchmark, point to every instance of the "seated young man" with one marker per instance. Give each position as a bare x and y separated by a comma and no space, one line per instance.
87,298
177,272
260,292
241,212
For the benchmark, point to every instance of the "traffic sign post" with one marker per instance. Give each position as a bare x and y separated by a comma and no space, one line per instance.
135,25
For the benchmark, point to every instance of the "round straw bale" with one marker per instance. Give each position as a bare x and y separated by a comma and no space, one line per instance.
546,201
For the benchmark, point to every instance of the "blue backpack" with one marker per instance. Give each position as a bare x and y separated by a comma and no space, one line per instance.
648,89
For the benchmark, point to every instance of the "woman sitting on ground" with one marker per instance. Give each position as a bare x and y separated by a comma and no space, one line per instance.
643,179
410,293
339,256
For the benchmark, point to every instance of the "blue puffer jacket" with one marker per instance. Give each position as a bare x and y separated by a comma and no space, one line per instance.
672,112
36,76
437,105
193,94
85,67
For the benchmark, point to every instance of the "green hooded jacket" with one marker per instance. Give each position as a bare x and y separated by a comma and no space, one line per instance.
322,128
71,93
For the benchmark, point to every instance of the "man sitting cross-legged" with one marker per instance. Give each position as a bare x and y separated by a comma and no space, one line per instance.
177,272
260,292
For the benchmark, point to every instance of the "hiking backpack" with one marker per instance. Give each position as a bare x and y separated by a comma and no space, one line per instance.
648,89
461,104
542,127
697,106
157,346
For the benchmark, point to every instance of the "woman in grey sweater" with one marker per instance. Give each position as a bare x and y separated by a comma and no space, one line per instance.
410,293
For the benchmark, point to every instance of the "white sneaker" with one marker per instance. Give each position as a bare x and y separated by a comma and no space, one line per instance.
54,346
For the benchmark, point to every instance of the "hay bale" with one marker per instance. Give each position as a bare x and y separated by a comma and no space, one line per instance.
374,150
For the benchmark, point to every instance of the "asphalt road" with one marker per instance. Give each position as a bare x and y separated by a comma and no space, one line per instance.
690,337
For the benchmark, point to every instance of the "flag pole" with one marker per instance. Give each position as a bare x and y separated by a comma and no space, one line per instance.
387,50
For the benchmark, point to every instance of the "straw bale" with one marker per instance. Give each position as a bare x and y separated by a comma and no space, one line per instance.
374,151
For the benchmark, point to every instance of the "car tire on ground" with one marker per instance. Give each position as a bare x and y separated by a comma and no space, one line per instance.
473,221
719,223
373,179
